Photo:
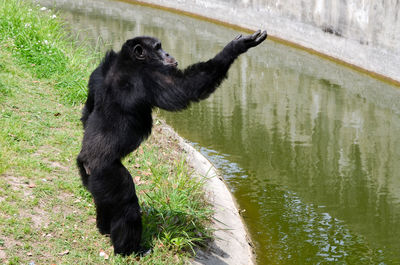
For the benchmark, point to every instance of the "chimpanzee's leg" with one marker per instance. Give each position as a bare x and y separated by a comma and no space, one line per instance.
126,225
117,206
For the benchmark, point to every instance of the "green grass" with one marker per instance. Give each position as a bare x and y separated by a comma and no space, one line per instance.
37,40
46,216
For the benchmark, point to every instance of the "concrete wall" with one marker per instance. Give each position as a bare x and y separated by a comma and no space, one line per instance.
365,33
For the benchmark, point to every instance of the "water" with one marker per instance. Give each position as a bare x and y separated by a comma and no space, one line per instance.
309,149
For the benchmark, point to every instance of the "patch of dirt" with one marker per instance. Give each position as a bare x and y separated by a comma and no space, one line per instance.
55,164
67,207
166,141
3,255
44,152
38,216
8,244
19,184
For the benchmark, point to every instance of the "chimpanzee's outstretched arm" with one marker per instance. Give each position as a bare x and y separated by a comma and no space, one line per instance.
175,89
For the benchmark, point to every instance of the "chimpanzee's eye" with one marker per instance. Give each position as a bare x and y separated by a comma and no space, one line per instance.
158,46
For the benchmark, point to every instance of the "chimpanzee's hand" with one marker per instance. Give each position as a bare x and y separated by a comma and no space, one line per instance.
242,43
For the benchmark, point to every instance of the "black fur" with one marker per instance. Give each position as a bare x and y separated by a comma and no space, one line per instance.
123,90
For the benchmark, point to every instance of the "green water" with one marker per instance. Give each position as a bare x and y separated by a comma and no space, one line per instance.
309,149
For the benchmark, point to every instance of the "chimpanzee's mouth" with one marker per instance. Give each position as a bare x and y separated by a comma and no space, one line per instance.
175,64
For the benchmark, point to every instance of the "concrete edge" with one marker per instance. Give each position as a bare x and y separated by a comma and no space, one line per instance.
232,245
311,39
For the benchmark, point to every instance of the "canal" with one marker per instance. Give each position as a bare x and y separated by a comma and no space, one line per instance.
309,149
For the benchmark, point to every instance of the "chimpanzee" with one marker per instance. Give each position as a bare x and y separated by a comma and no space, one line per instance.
123,90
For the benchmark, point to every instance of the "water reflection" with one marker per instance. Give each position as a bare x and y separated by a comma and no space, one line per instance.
315,153
309,149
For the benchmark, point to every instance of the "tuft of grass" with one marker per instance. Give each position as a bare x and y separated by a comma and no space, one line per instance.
173,204
46,216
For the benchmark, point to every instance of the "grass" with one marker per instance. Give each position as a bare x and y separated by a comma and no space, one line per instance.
46,216
37,40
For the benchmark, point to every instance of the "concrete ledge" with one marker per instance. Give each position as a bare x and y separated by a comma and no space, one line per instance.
231,245
354,43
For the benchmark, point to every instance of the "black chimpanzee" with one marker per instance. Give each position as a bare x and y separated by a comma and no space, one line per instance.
123,90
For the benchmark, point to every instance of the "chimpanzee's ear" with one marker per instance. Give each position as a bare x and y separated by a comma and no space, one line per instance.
139,52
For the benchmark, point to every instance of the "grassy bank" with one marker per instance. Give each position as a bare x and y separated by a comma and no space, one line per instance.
46,216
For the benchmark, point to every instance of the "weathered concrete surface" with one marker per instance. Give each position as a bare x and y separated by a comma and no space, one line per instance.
231,245
365,33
